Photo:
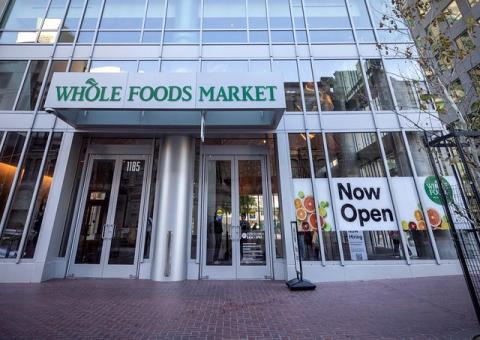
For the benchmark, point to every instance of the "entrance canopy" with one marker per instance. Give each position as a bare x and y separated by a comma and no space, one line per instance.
234,100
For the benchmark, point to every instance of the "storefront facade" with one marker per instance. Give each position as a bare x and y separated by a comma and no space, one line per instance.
179,139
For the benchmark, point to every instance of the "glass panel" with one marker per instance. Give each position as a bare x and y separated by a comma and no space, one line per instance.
74,14
122,37
91,14
151,202
341,85
85,37
181,37
260,66
257,14
127,213
180,66
57,66
297,13
274,182
9,158
420,156
365,36
11,74
31,86
282,36
326,14
331,37
225,66
78,66
258,37
225,37
407,83
383,15
377,80
279,11
252,219
354,155
152,37
183,14
55,15
42,197
95,214
24,14
17,215
126,14
113,66
306,76
66,37
359,13
148,66
219,213
155,13
299,156
409,207
224,14
196,180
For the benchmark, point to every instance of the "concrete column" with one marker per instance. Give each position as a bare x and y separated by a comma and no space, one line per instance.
175,176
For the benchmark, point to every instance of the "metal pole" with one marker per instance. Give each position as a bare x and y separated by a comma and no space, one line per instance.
453,232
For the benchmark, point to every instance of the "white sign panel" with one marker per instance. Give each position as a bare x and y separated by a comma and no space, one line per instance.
166,91
363,204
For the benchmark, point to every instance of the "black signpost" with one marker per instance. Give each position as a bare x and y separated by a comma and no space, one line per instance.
298,283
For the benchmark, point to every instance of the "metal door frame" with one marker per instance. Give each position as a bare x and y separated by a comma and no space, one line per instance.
235,153
118,153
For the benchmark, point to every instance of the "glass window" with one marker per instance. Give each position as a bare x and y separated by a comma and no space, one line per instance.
181,37
224,14
32,85
24,15
78,66
183,14
155,14
57,66
452,13
91,14
374,236
24,190
113,66
85,37
225,66
9,157
52,22
42,197
148,66
258,37
341,85
365,36
196,180
293,96
224,37
384,16
304,202
260,66
152,37
318,154
257,14
297,13
326,14
122,37
377,80
123,14
306,76
434,210
323,37
74,13
407,82
180,66
282,37
151,203
279,12
11,74
359,13
409,208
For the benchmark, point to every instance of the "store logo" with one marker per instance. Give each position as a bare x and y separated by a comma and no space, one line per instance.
238,93
90,93
433,192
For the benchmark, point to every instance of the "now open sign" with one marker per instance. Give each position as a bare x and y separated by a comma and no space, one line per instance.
363,204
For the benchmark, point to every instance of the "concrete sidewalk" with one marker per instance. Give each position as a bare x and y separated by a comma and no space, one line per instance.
424,308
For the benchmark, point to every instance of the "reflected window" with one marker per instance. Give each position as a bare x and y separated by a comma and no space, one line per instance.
257,14
293,96
126,14
91,14
225,66
359,13
224,37
384,16
377,80
279,11
155,14
326,14
9,157
115,66
306,75
11,74
78,66
57,66
32,85
181,37
118,37
323,37
24,15
224,14
318,155
340,85
407,82
299,159
183,14
297,13
74,13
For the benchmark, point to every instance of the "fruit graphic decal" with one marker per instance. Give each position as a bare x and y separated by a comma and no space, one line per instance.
434,218
305,213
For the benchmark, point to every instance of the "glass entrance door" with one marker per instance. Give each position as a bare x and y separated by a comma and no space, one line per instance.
112,206
235,218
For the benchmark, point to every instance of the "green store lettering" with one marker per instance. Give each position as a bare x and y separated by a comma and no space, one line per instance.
160,93
91,93
238,93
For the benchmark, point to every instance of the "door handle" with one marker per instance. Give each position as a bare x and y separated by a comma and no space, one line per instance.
103,231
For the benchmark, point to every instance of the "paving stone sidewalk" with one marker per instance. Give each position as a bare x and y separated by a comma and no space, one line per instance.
422,308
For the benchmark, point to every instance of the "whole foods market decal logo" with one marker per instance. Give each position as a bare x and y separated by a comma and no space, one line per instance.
92,91
433,191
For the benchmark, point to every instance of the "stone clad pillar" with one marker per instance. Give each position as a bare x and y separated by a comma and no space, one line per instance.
177,155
